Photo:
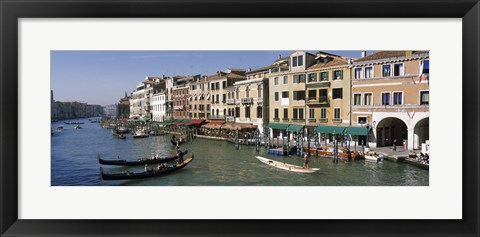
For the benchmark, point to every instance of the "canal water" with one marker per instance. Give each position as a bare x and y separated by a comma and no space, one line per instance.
217,163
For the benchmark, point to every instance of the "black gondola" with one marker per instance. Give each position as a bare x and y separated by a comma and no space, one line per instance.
142,175
143,161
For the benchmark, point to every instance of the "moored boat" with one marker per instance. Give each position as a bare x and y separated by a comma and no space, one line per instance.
77,127
285,166
118,135
74,122
142,161
343,154
146,174
140,134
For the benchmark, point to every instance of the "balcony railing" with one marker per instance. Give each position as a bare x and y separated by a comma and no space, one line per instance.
248,100
337,120
285,119
276,119
312,120
323,120
230,101
320,100
178,107
230,119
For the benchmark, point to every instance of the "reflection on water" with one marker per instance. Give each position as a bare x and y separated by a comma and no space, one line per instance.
217,163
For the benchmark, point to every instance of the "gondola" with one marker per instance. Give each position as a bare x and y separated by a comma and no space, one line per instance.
142,175
118,135
143,161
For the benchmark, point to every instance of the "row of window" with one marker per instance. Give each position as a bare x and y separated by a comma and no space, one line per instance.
388,98
337,93
236,112
299,112
389,70
312,77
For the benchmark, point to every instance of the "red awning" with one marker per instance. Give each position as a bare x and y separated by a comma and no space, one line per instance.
197,122
178,123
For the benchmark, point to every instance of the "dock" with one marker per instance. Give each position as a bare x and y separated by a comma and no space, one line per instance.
210,137
278,151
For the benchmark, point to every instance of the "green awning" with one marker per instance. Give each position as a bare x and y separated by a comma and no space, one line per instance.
282,126
330,129
360,131
295,127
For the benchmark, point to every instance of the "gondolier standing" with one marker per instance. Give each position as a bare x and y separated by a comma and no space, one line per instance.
180,156
305,161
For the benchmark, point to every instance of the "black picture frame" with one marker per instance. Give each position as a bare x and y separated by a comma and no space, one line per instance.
11,11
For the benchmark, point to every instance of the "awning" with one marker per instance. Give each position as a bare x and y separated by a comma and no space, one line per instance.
282,126
197,122
330,129
360,131
239,126
228,125
295,127
214,124
178,123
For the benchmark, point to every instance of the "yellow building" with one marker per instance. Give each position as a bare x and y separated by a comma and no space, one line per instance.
328,91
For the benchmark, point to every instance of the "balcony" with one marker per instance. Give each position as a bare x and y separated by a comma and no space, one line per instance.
312,120
285,119
230,119
323,120
276,119
248,100
230,101
322,100
337,120
178,107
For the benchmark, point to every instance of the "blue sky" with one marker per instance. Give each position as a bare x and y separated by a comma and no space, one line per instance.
102,77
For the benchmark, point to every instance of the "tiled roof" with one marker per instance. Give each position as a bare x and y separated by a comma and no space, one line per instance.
336,61
261,69
233,75
388,54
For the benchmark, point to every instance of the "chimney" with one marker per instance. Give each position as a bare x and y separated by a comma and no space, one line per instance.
364,54
279,56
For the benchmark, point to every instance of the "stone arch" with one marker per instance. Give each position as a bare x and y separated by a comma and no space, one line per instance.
421,132
390,130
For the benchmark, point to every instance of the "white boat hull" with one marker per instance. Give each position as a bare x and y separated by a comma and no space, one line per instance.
285,166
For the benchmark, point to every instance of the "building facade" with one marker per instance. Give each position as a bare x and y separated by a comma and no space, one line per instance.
287,90
199,105
328,91
158,106
219,85
247,100
390,94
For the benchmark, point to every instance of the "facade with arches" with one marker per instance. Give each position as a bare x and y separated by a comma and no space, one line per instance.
390,94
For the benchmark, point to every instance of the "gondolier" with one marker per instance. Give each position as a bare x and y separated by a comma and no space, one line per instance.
305,161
